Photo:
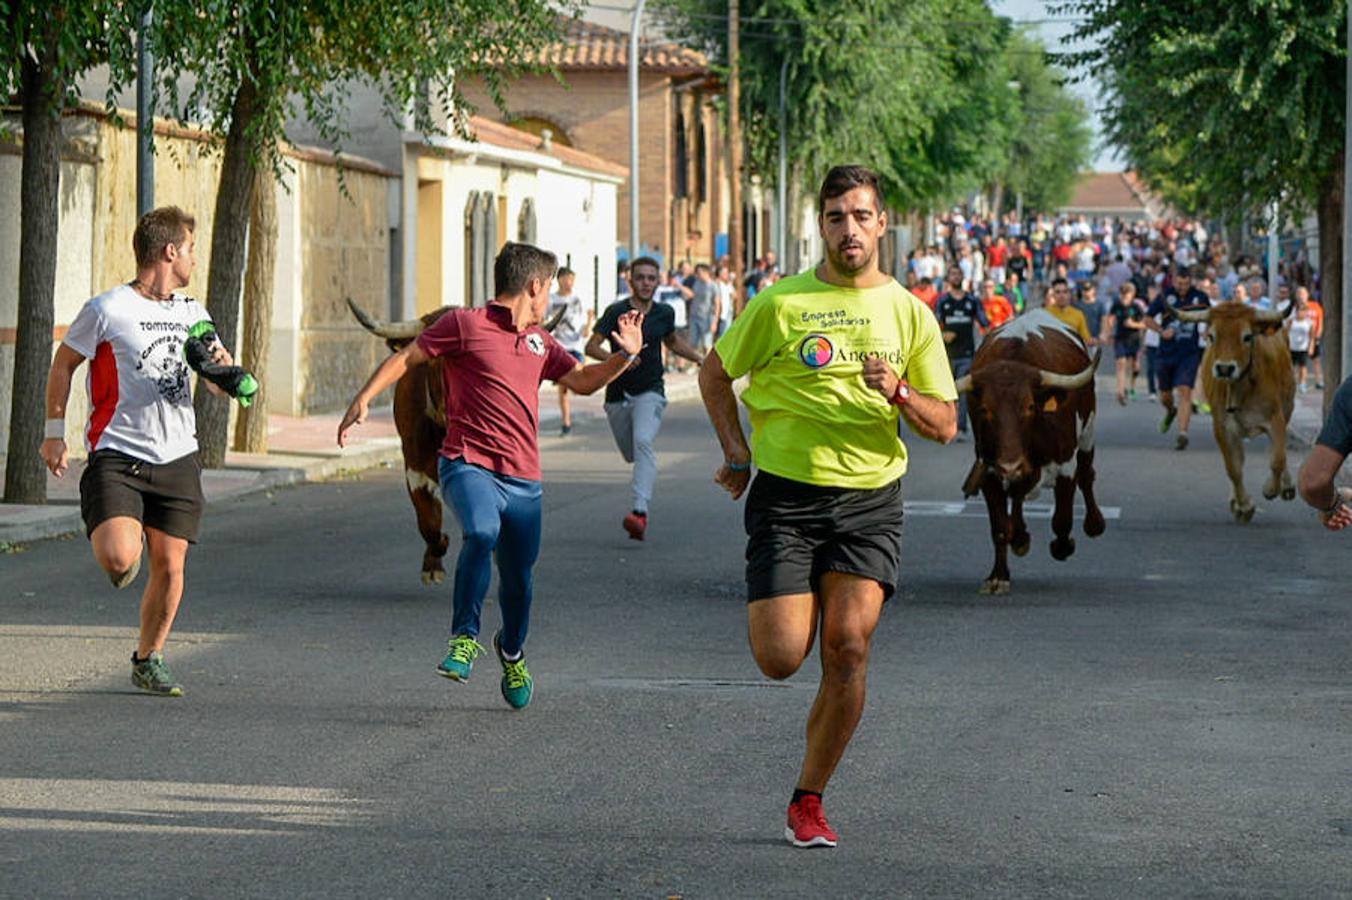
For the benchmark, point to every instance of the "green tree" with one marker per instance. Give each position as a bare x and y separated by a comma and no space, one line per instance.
46,46
899,86
1231,105
1050,136
257,64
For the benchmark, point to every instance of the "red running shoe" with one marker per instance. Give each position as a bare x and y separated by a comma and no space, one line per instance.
636,523
807,824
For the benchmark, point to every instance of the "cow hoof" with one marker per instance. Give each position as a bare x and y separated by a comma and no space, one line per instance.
1021,544
1269,493
436,577
1062,548
1242,514
1094,524
1288,493
995,586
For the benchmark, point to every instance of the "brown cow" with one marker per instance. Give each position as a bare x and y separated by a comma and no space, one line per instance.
1247,376
1031,396
420,417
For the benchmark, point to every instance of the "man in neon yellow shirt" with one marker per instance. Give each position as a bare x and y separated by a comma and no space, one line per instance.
838,356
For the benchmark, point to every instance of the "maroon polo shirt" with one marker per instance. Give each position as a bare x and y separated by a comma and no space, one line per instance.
493,373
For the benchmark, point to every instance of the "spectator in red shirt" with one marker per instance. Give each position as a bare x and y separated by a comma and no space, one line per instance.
996,258
923,289
497,357
998,308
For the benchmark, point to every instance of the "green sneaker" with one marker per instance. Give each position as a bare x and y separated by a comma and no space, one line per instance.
461,652
1204,408
517,685
1167,421
152,675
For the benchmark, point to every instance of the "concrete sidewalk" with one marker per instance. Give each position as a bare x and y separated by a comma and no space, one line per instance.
299,450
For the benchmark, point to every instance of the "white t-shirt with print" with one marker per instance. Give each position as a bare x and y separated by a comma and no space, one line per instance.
572,328
140,386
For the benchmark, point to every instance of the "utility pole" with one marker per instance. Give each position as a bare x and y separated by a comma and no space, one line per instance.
781,242
1340,338
145,117
735,156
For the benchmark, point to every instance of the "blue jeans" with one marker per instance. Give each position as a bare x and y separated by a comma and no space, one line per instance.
960,368
496,513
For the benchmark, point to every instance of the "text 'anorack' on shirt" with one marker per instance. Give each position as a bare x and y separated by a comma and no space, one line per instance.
804,342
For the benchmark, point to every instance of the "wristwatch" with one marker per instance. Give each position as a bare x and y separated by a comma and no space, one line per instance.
902,396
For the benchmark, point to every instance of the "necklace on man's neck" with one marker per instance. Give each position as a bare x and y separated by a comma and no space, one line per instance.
148,292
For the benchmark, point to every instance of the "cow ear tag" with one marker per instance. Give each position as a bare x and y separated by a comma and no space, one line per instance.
1050,405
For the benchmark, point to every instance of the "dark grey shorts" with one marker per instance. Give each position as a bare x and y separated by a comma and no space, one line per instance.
164,496
796,532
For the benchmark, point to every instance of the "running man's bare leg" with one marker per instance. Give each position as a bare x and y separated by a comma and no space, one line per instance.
565,407
850,607
781,630
164,590
117,545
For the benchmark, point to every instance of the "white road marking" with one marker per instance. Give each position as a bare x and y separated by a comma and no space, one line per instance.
976,509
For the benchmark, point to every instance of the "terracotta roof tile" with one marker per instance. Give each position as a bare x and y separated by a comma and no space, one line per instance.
500,135
587,45
1106,190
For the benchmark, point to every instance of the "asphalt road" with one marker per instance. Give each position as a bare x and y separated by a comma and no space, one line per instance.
1165,714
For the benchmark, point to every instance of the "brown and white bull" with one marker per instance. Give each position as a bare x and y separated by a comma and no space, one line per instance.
1247,376
420,417
1032,405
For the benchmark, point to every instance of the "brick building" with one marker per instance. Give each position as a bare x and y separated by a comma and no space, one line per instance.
683,190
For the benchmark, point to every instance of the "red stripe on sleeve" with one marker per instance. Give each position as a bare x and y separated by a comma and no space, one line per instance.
102,392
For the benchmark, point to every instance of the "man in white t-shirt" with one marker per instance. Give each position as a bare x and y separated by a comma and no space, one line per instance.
571,332
142,479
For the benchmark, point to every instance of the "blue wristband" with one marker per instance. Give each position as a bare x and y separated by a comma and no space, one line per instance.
739,467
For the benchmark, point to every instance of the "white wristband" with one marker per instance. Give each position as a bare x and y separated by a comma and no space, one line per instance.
55,429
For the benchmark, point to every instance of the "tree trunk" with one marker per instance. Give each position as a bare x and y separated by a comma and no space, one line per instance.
251,429
229,227
997,203
1330,213
39,209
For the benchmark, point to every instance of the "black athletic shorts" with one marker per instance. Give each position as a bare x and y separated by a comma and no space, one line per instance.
797,531
164,496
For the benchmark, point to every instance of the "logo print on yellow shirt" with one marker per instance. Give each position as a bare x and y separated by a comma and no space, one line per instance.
816,351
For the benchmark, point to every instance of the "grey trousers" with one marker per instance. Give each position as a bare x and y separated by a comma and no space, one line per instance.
635,422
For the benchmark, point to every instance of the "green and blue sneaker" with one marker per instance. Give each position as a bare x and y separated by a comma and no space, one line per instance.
153,676
517,685
461,652
1167,421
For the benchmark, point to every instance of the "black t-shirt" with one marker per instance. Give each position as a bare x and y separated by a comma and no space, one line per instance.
1018,263
1186,339
961,315
1337,431
1123,313
647,375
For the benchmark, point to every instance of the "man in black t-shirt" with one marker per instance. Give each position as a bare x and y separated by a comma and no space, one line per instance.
960,314
1326,458
635,401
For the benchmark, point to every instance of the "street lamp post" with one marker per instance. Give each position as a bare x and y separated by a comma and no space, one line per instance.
633,129
145,117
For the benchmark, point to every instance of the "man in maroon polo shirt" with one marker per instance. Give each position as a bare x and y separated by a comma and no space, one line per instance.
495,360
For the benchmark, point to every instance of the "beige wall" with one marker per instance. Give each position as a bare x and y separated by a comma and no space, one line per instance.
329,247
344,245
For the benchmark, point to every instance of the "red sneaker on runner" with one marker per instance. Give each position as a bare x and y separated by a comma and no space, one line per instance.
636,523
807,824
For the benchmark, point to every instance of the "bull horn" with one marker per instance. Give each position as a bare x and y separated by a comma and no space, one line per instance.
1192,315
1269,316
1071,382
963,384
553,321
391,331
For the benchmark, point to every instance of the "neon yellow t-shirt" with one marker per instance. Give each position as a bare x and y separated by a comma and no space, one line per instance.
812,417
